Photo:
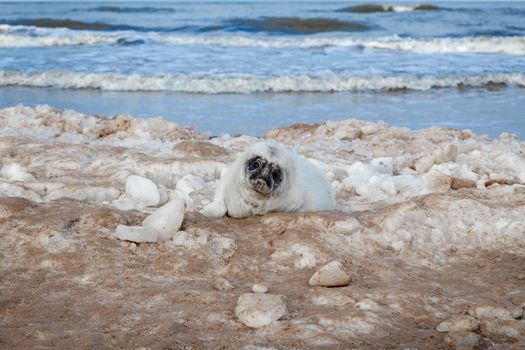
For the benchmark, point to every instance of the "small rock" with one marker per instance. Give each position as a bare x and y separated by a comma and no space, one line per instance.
333,274
259,310
516,312
458,183
167,219
508,182
367,304
461,323
222,283
487,311
503,329
259,288
463,339
143,190
137,234
465,134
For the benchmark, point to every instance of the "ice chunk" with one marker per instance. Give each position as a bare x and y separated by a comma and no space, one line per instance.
143,190
446,154
12,190
258,309
167,219
15,172
383,165
189,184
137,234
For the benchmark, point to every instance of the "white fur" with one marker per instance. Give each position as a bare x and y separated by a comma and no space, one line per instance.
303,188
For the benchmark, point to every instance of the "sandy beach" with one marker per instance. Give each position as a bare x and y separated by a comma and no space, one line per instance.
429,226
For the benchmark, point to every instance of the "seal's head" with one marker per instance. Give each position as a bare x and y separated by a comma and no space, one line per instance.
264,177
263,169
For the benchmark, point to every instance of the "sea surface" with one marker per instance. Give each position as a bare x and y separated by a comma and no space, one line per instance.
246,67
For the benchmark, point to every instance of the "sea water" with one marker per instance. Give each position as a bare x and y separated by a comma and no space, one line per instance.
244,67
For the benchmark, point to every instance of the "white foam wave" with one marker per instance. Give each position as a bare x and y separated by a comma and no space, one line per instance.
401,8
486,44
248,83
21,36
8,40
18,36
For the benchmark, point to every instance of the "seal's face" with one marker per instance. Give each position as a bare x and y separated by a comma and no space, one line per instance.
264,177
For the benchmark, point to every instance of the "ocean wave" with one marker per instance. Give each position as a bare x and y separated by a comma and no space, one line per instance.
251,83
18,36
283,25
292,25
118,9
70,24
514,45
9,40
372,8
91,26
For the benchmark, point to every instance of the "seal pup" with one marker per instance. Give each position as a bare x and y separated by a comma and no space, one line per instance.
267,178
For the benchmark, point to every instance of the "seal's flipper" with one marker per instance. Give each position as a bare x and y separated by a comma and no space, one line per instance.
216,209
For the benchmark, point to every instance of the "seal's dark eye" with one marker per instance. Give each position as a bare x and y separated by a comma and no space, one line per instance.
253,164
277,175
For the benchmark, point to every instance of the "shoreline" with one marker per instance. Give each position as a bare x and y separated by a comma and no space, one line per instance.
483,111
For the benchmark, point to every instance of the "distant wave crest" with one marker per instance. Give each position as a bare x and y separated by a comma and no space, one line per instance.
19,36
372,8
119,9
250,83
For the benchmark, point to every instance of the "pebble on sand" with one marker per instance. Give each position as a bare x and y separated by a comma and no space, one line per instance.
222,283
463,339
259,288
487,311
333,274
258,309
503,329
460,323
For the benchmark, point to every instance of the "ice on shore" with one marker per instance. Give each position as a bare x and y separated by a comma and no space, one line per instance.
14,172
168,218
160,226
143,190
257,310
371,166
138,234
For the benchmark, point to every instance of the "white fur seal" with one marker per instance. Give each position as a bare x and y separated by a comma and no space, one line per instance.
266,178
